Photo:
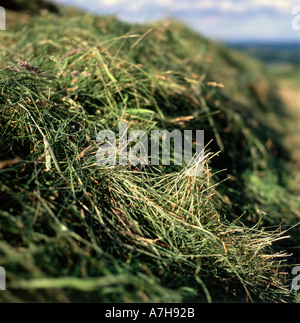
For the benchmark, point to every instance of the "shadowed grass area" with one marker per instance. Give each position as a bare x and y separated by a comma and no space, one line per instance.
33,6
73,231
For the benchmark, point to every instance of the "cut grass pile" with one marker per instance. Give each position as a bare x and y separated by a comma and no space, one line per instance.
73,231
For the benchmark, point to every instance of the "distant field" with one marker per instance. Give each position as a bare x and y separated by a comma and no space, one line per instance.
281,59
271,53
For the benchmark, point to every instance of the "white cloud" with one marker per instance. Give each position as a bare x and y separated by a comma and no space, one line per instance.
227,6
222,17
111,2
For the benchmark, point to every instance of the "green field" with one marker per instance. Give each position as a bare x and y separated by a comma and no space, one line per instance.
71,231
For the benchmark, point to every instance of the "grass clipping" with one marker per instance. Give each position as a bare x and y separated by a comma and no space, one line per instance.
71,230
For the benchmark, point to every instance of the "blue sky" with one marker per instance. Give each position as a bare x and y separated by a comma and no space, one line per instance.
228,20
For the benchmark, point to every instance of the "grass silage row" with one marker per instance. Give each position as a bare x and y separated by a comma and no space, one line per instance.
73,231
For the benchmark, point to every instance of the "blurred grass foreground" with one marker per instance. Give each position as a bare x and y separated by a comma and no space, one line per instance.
73,231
